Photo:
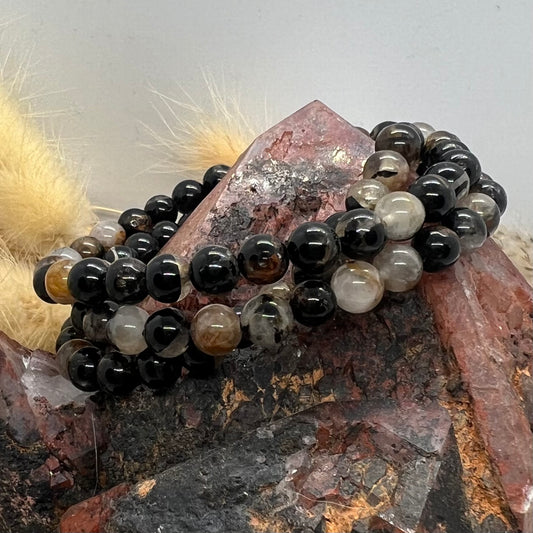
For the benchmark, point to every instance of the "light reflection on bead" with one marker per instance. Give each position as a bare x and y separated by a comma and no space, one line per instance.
425,128
402,215
389,168
280,289
125,329
365,194
109,233
483,205
400,267
56,281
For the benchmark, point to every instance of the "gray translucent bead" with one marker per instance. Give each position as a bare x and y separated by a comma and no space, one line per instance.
485,206
367,192
267,320
388,167
280,289
125,329
402,214
64,353
66,253
109,233
425,128
400,267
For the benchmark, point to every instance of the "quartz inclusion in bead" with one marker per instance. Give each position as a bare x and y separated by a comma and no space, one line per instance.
400,267
65,351
125,329
109,233
117,374
167,278
263,259
96,319
402,215
469,226
365,193
483,205
167,332
389,168
56,281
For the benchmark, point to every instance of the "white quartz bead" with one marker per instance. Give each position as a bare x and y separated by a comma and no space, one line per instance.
358,286
125,329
389,168
109,233
425,128
400,266
66,253
366,193
402,214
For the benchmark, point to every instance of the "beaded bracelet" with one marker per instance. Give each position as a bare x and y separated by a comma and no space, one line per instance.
394,228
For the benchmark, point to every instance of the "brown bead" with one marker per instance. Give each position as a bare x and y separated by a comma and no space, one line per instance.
56,281
88,247
216,330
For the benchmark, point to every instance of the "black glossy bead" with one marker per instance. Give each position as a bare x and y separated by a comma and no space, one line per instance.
187,195
214,270
161,207
88,247
95,320
119,252
263,259
182,220
163,231
469,227
86,280
66,334
488,186
332,220
126,281
438,247
417,130
464,159
66,324
213,176
454,174
299,276
199,364
445,145
117,374
166,332
163,278
144,245
350,203
401,138
436,137
76,315
158,373
135,220
313,302
377,129
38,281
82,366
436,194
313,247
361,233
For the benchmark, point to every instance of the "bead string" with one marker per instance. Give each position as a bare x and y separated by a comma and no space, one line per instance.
393,229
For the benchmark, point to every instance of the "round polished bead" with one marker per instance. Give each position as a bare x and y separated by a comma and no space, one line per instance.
39,276
56,281
167,278
313,302
65,351
88,247
263,259
119,252
77,313
213,176
109,233
464,159
125,329
214,270
280,289
313,247
86,280
167,332
437,136
469,226
144,244
425,128
358,286
161,207
82,366
436,195
126,281
96,319
187,195
215,330
402,138
158,373
488,186
365,194
438,246
267,320
454,174
441,147
299,275
389,168
332,220
135,220
198,364
402,215
377,129
182,220
63,253
361,233
400,267
66,324
66,335
485,206
163,231
117,374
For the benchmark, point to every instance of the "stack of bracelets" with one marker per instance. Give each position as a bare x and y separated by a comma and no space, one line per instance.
383,241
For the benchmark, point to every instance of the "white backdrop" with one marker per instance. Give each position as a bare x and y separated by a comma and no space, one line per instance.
463,66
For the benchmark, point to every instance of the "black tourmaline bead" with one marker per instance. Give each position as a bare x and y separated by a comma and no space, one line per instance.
464,159
88,247
66,324
313,302
82,366
199,364
117,374
438,247
361,233
86,280
166,332
263,259
377,129
119,252
163,278
213,176
469,227
160,208
298,275
182,220
454,174
163,231
76,315
436,194
436,137
187,195
214,270
126,281
441,147
313,247
488,186
158,373
135,220
401,138
332,220
144,245
38,279
66,334
95,321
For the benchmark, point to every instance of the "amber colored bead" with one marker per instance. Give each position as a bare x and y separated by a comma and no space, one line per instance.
39,277
56,281
263,259
88,247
